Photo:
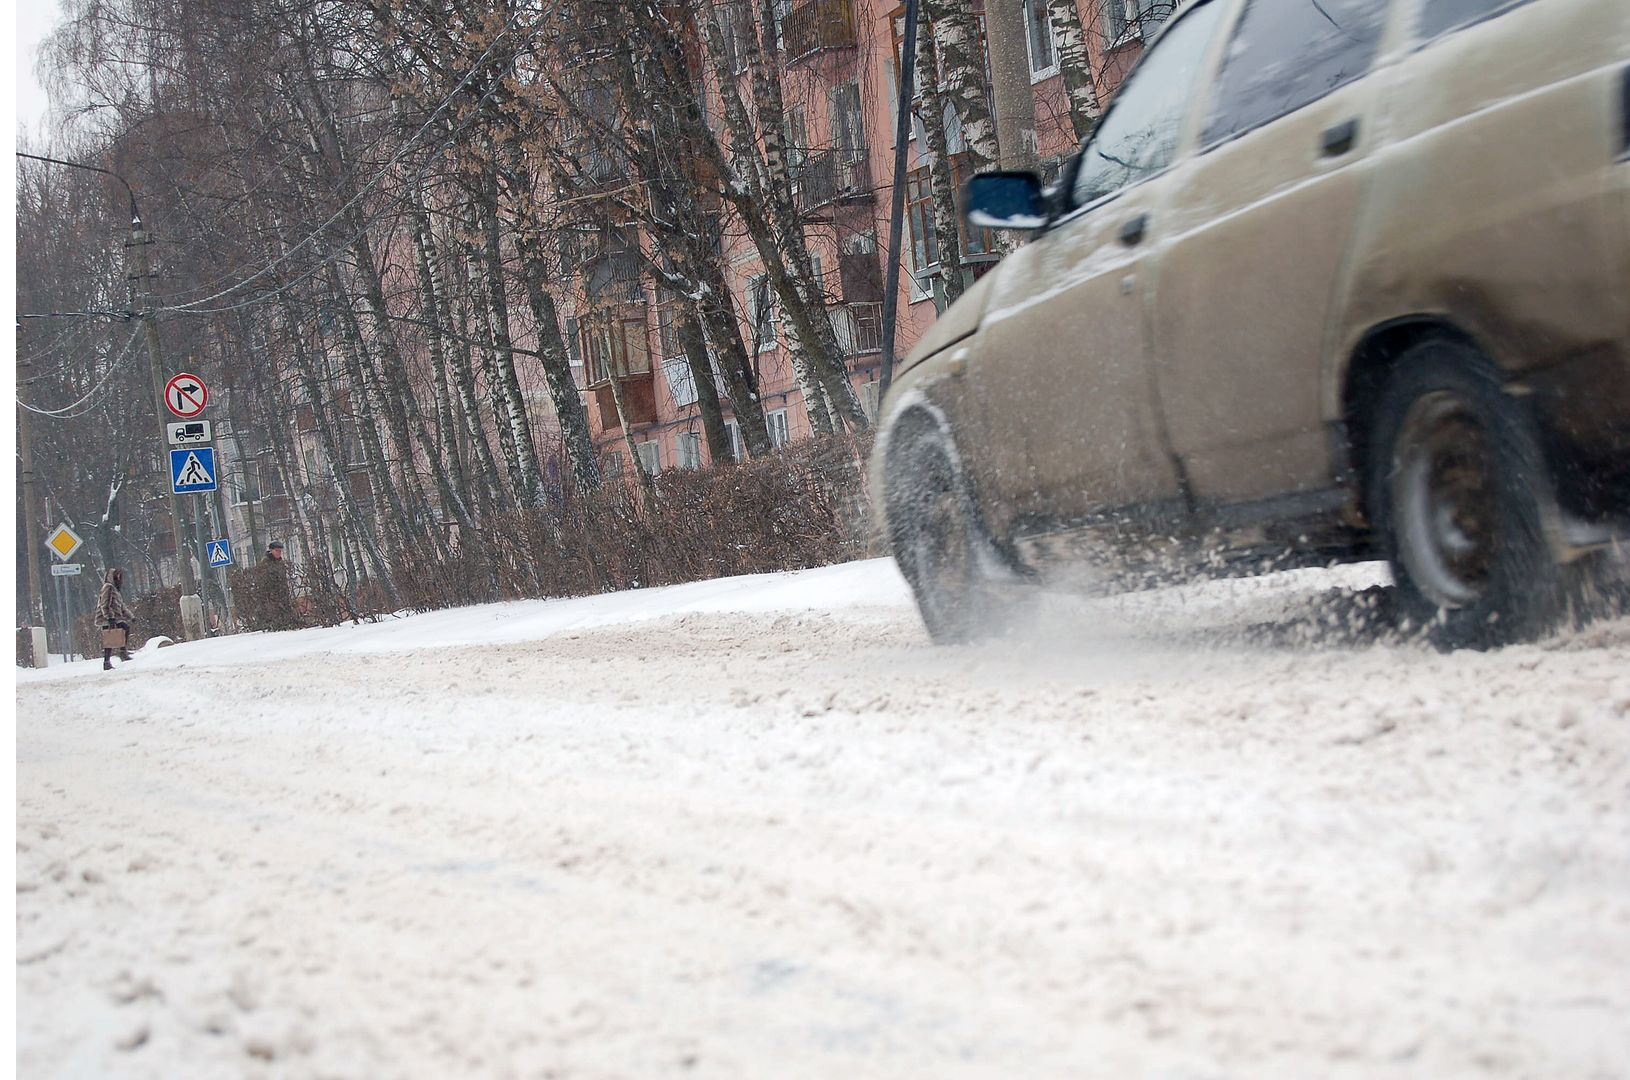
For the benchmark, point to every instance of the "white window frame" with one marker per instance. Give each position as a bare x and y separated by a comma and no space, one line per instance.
1034,10
780,431
681,384
755,284
650,453
248,466
1133,14
738,446
691,458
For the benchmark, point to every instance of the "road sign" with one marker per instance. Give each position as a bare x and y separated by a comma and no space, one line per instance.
188,433
220,552
186,395
192,470
66,569
64,541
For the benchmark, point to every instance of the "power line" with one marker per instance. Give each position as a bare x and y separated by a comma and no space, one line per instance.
91,314
67,411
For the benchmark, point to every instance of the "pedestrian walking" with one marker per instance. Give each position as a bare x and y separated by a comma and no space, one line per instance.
113,614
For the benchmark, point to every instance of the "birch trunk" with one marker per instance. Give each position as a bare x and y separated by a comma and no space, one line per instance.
1075,66
962,67
529,479
489,483
692,340
942,185
450,479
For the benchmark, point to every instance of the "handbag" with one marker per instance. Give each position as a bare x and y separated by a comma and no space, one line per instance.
113,637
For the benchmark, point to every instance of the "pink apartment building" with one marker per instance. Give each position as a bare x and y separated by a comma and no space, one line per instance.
838,61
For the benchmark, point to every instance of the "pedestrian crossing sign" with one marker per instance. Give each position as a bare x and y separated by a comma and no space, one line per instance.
192,469
220,552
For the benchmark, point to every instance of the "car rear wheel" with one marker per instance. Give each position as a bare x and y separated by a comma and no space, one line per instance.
963,588
1460,494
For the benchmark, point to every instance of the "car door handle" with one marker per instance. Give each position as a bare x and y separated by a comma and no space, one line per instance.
1133,228
1337,140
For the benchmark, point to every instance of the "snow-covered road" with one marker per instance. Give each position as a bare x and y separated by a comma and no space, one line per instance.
760,828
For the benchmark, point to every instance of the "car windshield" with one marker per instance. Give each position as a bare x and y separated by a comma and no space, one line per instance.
1139,135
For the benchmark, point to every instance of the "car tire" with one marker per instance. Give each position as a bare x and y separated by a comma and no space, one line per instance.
1460,495
964,589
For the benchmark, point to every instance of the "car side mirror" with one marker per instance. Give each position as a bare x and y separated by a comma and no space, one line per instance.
1006,200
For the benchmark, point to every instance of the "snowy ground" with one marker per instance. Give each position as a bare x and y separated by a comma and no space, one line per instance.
760,828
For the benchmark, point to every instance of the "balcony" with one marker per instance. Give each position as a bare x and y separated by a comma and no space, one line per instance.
639,401
858,328
815,25
825,177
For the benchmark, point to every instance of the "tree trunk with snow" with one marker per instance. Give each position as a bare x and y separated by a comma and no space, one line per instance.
1075,65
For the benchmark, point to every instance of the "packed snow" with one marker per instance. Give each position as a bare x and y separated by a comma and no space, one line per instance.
760,827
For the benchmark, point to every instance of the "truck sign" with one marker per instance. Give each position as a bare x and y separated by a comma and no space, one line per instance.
189,433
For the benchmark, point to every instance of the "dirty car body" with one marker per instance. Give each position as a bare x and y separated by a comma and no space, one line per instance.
1334,280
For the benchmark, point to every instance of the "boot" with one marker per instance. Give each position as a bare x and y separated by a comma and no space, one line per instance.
124,653
107,659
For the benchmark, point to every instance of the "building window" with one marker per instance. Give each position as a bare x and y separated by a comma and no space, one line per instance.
688,450
844,112
614,345
925,247
797,140
761,303
351,441
681,384
1131,19
738,449
268,478
668,328
611,465
777,422
574,350
650,456
1038,32
248,489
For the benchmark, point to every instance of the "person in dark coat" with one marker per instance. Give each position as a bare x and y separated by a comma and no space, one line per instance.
111,611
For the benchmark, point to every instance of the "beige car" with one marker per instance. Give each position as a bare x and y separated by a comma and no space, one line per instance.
1334,279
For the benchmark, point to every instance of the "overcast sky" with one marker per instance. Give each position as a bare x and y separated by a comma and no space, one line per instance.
34,20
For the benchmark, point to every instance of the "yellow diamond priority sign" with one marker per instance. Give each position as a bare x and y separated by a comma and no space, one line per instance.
64,541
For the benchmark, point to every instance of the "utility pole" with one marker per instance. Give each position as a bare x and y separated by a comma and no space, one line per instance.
1014,101
141,298
31,515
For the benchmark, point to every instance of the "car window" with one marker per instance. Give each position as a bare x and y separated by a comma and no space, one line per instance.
1441,16
1139,134
1288,53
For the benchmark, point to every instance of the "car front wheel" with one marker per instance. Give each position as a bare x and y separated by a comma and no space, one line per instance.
963,588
